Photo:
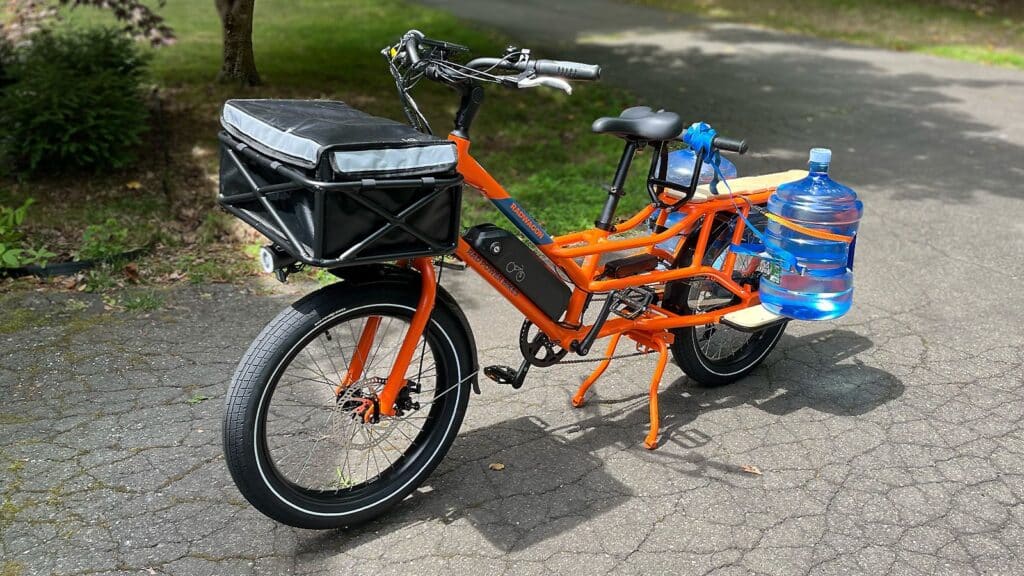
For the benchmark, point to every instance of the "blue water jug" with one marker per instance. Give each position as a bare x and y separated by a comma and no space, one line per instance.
680,170
820,285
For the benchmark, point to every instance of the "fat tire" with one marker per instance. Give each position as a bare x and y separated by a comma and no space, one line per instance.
269,353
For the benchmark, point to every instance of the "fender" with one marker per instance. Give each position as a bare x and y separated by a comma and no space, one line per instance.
366,274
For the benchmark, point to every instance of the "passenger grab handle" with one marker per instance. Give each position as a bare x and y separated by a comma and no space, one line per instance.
730,145
549,81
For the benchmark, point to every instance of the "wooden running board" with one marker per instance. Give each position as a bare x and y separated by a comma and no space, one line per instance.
743,186
752,319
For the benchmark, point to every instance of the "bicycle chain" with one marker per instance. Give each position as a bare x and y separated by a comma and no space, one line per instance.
616,357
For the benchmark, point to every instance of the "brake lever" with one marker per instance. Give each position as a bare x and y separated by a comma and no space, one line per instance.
549,81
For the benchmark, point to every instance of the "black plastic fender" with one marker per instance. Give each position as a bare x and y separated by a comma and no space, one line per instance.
367,274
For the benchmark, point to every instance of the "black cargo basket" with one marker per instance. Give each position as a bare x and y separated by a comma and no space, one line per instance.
348,201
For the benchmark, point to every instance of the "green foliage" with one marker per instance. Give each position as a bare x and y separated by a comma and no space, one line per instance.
988,31
102,241
215,226
197,399
74,101
145,301
6,55
537,143
99,279
13,251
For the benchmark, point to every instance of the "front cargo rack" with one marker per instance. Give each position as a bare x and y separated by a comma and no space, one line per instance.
337,223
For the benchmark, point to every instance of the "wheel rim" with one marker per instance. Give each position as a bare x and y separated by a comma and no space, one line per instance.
315,442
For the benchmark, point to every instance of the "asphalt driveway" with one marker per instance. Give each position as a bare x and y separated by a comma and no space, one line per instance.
890,441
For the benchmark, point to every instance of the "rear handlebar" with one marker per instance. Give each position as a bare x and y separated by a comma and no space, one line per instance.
730,145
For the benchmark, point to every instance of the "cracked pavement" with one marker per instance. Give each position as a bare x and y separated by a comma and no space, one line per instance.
890,441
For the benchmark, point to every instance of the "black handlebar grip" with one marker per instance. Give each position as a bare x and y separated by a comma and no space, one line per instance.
566,69
730,145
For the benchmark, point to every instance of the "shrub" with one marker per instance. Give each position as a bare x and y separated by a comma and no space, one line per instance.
6,55
13,251
103,241
73,101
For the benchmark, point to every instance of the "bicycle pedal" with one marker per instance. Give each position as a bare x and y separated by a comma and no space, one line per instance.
501,374
632,302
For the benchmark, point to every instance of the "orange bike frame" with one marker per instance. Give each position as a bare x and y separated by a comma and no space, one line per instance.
578,255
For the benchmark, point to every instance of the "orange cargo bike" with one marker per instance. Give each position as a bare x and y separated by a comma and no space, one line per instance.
346,401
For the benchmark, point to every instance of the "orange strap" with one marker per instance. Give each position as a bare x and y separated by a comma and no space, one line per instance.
819,234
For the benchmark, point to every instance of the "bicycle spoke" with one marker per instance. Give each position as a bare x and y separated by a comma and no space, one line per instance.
339,451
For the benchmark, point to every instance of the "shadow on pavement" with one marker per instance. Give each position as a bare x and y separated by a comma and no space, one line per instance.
553,479
898,130
900,122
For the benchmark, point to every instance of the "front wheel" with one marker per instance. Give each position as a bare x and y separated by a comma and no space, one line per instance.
716,354
295,437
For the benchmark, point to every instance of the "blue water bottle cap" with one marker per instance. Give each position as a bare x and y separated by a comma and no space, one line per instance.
821,156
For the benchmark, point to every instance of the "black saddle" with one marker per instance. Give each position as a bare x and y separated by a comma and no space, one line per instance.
641,123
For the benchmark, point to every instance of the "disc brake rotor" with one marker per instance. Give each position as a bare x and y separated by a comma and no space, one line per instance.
356,399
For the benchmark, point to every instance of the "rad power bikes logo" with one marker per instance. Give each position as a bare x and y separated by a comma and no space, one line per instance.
494,273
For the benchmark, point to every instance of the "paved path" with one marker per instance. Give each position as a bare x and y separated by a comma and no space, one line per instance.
890,441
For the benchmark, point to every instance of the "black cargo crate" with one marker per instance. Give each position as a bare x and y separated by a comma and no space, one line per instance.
348,188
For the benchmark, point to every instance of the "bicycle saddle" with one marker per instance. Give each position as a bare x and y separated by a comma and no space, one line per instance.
641,123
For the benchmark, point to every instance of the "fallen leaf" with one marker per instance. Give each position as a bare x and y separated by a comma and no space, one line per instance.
196,399
131,271
497,466
750,469
133,185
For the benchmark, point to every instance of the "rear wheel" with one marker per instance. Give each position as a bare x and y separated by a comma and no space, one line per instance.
296,442
716,354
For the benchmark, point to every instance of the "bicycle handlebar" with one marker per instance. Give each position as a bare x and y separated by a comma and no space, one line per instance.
560,68
567,69
412,41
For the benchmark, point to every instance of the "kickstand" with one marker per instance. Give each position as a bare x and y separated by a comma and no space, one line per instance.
655,342
651,442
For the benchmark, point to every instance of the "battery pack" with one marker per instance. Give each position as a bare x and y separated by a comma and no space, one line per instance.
521,266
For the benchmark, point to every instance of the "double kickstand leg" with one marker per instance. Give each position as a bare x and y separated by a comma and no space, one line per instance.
653,342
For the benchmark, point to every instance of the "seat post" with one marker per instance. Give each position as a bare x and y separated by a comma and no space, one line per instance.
618,186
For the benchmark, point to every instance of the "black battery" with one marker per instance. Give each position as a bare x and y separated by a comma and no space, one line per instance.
521,266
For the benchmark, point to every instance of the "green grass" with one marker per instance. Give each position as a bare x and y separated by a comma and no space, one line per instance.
536,142
142,301
197,399
988,31
19,319
12,568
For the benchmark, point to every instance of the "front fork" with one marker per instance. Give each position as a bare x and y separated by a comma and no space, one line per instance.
396,378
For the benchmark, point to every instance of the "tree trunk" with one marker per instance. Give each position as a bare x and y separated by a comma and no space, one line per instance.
236,22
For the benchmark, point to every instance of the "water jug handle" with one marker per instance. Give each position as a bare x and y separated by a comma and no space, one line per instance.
849,254
785,258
